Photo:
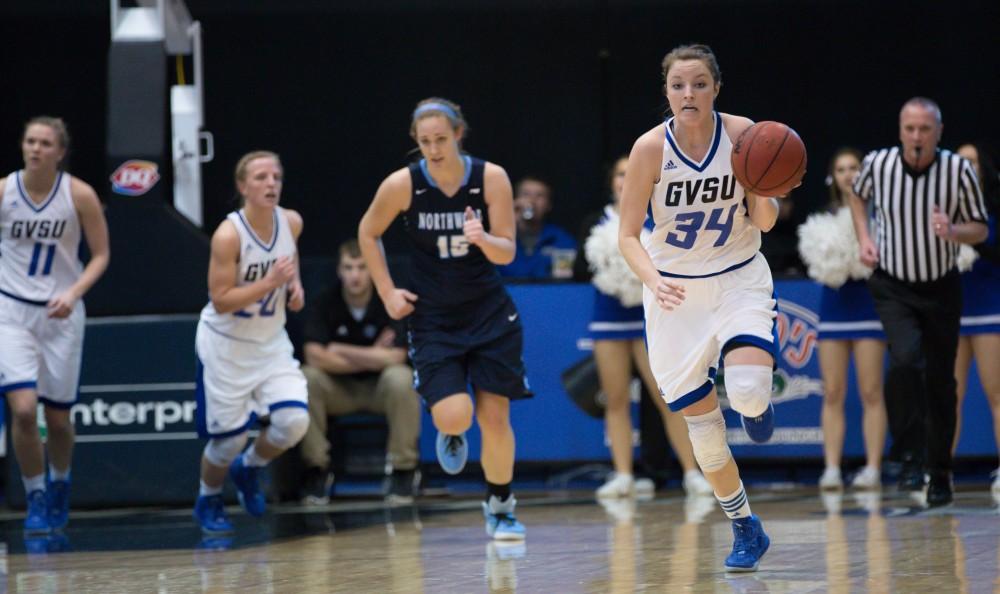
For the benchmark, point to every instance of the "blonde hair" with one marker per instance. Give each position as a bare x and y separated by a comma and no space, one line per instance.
240,173
57,125
241,166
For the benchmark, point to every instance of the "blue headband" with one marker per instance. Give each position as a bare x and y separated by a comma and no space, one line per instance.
436,107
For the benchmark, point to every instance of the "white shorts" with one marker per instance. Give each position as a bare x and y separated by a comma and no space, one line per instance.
239,381
685,344
40,352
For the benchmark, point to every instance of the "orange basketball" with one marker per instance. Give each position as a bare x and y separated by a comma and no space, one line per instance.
769,159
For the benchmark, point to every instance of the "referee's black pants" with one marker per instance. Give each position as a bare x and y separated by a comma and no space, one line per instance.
921,323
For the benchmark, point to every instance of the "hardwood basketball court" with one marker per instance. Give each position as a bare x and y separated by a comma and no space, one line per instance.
864,542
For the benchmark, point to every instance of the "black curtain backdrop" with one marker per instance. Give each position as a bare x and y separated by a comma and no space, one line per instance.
550,88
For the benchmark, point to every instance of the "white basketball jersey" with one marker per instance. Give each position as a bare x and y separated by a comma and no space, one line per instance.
701,223
265,319
39,243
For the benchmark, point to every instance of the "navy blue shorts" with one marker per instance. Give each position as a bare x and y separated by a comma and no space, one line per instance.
479,344
848,313
980,304
613,321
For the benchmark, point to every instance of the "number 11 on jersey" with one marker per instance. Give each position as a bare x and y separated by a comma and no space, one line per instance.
36,257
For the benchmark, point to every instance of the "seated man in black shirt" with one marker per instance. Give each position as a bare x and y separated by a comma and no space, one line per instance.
356,361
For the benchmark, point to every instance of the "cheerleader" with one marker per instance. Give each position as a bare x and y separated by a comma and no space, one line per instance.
848,324
980,334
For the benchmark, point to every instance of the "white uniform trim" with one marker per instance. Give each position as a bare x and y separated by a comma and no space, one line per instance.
39,245
615,326
980,320
247,365
850,326
685,344
261,321
40,242
703,238
701,223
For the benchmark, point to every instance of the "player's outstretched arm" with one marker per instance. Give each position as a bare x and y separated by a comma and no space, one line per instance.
641,174
223,272
498,245
391,198
296,294
867,251
95,232
763,210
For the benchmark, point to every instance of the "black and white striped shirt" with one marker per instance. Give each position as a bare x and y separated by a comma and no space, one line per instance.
904,199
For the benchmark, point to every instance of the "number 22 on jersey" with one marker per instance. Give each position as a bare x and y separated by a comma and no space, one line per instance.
268,305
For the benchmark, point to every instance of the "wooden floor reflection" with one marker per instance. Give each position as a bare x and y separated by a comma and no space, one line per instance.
841,544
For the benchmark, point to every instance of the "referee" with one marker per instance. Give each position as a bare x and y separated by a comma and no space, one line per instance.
926,202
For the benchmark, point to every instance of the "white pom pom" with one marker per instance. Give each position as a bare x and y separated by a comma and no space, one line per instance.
967,256
612,275
830,249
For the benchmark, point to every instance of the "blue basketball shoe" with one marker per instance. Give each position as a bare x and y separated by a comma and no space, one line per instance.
215,542
247,487
57,495
749,544
760,429
452,452
500,521
58,542
210,512
40,543
37,517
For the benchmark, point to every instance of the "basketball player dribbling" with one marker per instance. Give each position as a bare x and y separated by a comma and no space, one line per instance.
43,210
246,366
463,327
708,291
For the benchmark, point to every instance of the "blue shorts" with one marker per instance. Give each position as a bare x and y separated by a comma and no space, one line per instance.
981,299
848,313
479,344
613,321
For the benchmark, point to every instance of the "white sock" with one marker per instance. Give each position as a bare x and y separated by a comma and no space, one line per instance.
208,491
736,505
33,483
251,458
58,475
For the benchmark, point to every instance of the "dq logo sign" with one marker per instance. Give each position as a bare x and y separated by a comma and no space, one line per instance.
797,375
135,178
797,333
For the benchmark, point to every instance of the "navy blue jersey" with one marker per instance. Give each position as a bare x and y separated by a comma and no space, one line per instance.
447,270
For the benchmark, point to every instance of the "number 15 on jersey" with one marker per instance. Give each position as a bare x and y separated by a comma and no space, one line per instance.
452,246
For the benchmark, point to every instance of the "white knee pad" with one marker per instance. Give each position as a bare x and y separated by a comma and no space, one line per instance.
748,388
707,433
222,451
288,426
